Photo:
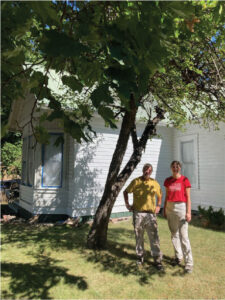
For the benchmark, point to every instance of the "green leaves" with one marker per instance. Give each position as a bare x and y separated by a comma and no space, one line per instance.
11,154
116,52
108,115
121,48
46,12
41,134
182,9
74,129
72,82
101,96
56,44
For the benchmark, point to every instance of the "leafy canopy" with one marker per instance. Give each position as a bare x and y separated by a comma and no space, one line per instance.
169,54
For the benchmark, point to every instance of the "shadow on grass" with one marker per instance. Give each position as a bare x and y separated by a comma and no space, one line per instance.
118,260
56,237
35,280
197,221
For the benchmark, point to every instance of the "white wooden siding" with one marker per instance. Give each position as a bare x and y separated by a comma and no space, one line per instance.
26,198
92,160
85,169
50,201
211,166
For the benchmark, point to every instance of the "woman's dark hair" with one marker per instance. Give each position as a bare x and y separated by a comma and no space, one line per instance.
175,162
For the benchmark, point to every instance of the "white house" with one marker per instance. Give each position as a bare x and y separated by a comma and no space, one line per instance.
69,179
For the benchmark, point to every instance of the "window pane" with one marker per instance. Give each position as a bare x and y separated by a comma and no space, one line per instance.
187,151
189,172
52,164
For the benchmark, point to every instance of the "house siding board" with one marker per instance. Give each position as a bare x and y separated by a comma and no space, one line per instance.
70,170
92,163
26,198
211,166
50,201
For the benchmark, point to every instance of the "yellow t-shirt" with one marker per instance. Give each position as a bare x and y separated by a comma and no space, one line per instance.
144,192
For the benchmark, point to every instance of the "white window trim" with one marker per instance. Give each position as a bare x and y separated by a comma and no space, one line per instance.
188,138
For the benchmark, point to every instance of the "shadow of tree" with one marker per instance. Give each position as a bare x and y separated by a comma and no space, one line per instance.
118,258
56,237
35,280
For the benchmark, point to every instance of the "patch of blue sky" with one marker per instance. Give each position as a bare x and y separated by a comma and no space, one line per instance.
213,39
73,4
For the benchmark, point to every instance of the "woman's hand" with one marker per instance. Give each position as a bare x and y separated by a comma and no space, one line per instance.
188,217
164,213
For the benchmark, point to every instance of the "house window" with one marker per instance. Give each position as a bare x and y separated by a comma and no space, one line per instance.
52,163
189,158
28,161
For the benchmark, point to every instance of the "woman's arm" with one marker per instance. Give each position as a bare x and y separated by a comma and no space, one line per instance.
188,205
165,203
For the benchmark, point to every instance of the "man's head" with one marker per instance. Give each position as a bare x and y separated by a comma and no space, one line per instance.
147,170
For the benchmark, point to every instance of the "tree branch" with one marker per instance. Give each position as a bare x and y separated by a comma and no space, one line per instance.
134,136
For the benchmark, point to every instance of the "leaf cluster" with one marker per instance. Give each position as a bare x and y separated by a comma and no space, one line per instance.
11,158
117,50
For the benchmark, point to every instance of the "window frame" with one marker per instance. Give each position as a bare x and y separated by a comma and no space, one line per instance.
29,152
43,161
189,138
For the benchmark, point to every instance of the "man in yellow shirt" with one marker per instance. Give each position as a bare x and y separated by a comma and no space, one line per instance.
145,190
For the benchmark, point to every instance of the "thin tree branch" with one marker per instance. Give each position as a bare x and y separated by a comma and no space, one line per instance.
134,136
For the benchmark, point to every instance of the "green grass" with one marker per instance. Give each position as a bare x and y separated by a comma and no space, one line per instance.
53,263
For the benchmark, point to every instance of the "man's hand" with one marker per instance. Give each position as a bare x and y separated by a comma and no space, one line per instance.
188,217
157,209
129,207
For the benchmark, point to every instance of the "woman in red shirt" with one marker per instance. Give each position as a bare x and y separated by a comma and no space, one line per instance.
177,210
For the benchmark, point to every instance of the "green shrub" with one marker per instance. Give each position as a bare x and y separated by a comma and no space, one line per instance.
11,156
214,217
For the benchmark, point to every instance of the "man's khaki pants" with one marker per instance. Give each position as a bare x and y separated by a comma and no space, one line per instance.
176,216
148,221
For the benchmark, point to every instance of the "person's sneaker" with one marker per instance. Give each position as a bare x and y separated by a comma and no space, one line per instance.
140,261
188,270
176,262
159,266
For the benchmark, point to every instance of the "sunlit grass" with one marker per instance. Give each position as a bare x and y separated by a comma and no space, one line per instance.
53,263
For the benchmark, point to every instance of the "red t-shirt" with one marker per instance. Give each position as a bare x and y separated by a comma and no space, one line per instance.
177,188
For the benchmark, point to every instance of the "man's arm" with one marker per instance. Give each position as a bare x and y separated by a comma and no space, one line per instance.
125,194
159,202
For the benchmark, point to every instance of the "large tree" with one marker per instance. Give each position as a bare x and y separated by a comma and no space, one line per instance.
164,57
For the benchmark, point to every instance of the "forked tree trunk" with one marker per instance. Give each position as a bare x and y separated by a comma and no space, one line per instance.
97,237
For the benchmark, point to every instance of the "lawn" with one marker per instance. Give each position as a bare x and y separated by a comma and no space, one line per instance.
53,263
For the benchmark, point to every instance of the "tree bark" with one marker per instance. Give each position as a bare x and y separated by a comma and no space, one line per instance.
97,237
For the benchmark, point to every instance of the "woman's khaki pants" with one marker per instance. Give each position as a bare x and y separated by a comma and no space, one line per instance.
176,216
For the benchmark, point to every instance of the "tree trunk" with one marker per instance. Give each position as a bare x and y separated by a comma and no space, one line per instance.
97,236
